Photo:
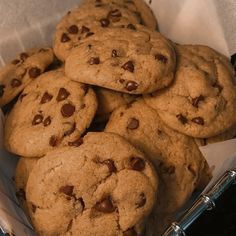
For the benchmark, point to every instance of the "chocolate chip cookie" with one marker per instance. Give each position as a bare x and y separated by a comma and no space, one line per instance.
108,101
178,161
52,111
85,21
21,71
132,60
139,7
23,169
103,187
201,102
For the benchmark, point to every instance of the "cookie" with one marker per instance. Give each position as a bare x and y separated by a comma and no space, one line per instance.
103,187
201,102
139,7
130,60
21,71
228,134
108,101
85,21
23,169
177,159
52,111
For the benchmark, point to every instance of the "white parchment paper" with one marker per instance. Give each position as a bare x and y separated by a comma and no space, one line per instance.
31,23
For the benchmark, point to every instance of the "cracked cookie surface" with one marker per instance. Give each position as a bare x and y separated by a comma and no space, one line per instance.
201,102
85,21
130,60
52,111
103,187
178,161
21,71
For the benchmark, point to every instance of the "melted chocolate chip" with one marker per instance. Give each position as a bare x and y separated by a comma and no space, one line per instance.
141,201
182,119
37,119
47,121
94,61
34,208
131,85
128,66
67,190
137,163
73,29
2,90
15,83
89,34
114,53
130,232
53,141
21,194
105,205
196,100
71,130
24,56
76,143
62,94
114,13
15,62
65,38
131,26
104,22
46,98
198,120
67,110
84,29
110,164
161,58
34,72
133,123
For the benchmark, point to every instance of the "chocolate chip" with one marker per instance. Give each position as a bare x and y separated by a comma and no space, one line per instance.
121,81
198,120
21,194
47,121
196,100
104,22
128,66
89,34
46,98
114,53
82,202
110,164
62,94
15,62
37,119
15,83
84,29
182,119
53,141
94,61
161,58
105,205
67,110
2,90
76,143
131,26
34,208
142,200
73,29
65,38
23,56
130,232
114,13
71,130
133,123
34,72
137,163
67,190
131,85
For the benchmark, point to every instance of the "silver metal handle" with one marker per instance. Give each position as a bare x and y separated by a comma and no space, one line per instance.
204,202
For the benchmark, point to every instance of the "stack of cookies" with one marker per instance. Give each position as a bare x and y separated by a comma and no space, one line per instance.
108,138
